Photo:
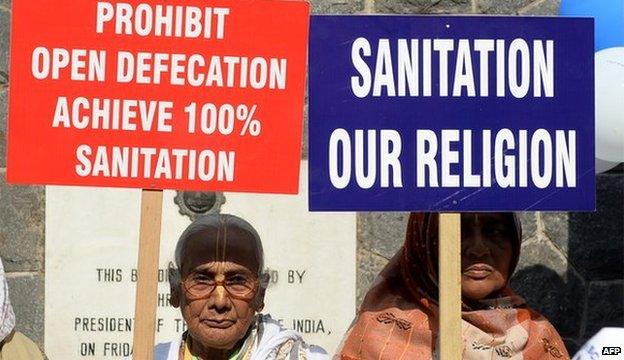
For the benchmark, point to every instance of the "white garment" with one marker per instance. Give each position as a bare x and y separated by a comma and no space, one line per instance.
272,337
606,338
7,316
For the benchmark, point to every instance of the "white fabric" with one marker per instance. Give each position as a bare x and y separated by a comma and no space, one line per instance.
7,316
605,338
273,335
167,351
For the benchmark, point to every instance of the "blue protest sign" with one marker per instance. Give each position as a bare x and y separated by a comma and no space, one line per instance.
451,113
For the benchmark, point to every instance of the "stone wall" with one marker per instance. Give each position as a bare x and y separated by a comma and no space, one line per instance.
572,264
21,219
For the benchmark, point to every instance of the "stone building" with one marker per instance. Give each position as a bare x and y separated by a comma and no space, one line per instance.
572,265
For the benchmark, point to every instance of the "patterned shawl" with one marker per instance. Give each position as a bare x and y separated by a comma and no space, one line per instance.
399,316
7,317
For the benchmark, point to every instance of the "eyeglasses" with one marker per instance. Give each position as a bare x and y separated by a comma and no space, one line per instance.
238,286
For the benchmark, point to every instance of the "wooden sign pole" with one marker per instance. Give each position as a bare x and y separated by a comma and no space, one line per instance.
147,281
449,257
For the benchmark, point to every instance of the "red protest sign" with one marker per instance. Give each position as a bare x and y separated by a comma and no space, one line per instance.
187,94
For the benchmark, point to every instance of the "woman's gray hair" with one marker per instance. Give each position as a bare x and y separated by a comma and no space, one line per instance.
215,221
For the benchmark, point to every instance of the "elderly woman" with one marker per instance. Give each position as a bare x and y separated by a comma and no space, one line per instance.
13,344
399,316
219,286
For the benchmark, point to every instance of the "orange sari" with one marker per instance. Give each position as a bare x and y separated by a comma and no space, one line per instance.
399,316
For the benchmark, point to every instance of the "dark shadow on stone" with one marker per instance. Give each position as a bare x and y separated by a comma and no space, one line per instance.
547,293
596,240
571,345
596,251
606,306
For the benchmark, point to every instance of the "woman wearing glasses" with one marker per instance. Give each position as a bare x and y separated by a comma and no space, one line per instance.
219,285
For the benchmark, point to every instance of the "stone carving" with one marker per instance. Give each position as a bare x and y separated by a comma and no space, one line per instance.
198,203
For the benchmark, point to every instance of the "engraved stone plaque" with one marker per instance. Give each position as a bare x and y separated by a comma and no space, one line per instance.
91,256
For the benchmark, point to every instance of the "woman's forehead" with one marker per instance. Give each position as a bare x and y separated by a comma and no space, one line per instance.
224,267
207,247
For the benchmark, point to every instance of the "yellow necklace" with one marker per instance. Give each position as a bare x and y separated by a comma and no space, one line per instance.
188,356
187,351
